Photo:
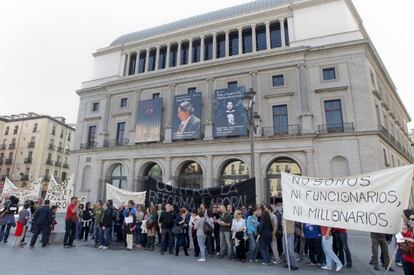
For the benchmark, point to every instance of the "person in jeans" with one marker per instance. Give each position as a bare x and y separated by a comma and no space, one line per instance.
342,242
105,226
216,218
251,226
97,215
238,229
273,244
328,250
313,237
193,232
180,236
290,249
42,222
166,222
24,216
71,221
86,222
10,208
264,236
201,236
225,232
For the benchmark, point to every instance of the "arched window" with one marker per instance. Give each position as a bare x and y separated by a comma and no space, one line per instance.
339,167
233,171
118,176
191,175
273,176
153,170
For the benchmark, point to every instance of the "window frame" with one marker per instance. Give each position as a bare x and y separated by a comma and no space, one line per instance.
96,103
278,86
122,101
336,71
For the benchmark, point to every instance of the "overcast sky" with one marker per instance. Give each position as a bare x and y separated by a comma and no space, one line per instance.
46,45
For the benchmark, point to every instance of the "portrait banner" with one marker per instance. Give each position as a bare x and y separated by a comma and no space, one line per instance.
59,194
372,202
148,128
229,112
29,192
238,194
121,197
187,116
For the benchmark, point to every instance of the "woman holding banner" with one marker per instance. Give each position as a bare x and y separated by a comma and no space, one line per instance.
328,250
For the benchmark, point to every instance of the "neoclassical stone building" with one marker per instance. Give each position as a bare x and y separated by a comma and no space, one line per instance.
327,104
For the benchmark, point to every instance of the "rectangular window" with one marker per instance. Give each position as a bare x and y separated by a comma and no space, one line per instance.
91,136
16,128
275,35
152,60
208,48
234,43
35,128
173,55
278,80
47,173
95,106
261,38
120,133
132,63
10,155
124,102
280,119
329,73
142,62
221,45
378,113
30,155
7,172
155,95
195,55
333,113
247,41
69,137
6,131
184,53
191,90
163,58
287,33
232,85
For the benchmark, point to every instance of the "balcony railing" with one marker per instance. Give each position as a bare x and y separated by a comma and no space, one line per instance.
60,149
12,145
8,161
384,132
347,127
88,146
58,163
49,162
46,177
288,130
3,147
66,165
31,145
28,160
51,147
116,142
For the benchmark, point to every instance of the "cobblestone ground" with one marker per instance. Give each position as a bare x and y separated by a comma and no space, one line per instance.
85,259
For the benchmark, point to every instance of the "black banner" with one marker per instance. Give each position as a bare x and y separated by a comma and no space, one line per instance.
238,195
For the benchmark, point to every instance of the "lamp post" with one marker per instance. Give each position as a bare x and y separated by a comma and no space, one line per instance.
252,123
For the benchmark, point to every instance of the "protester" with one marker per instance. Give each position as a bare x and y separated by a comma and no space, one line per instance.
290,248
151,224
264,236
328,250
273,244
42,222
216,218
79,224
313,237
97,215
141,231
24,216
179,233
380,240
407,248
238,229
7,221
193,232
105,226
209,231
71,221
343,248
86,221
129,226
201,237
251,230
225,232
166,222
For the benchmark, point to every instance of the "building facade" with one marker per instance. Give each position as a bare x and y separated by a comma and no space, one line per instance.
35,146
327,104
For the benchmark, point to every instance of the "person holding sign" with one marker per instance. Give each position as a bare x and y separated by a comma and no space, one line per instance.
407,246
328,250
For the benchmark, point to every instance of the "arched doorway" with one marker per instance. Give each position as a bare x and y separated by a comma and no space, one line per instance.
273,176
118,176
190,175
233,171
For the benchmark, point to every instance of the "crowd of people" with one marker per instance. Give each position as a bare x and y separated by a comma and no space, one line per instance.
246,234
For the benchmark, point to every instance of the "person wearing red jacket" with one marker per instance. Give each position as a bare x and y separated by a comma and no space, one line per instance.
70,222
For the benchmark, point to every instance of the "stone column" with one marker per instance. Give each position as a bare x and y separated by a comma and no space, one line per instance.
128,59
131,176
310,163
104,123
209,173
190,51
240,40
157,58
209,109
137,63
179,54
167,172
168,126
227,43
258,173
214,45
254,44
282,31
202,48
133,118
147,60
306,116
268,39
101,188
167,58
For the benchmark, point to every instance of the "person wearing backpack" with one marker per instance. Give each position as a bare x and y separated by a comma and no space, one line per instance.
238,229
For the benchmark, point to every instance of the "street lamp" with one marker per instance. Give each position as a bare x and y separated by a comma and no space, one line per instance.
252,123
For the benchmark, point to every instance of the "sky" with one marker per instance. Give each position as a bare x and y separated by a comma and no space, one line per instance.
46,46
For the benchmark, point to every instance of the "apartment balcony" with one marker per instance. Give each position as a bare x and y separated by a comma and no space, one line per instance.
60,149
12,146
28,160
58,163
51,147
3,147
31,145
116,142
8,161
49,162
88,146
66,165
346,127
388,136
288,130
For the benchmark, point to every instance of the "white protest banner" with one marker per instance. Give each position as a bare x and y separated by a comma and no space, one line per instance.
119,196
59,194
373,202
29,192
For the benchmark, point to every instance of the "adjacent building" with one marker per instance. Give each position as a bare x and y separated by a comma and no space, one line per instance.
35,146
166,102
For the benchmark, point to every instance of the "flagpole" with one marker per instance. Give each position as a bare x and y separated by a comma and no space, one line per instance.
286,244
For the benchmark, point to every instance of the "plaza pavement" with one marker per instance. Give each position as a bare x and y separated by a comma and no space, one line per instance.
85,259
